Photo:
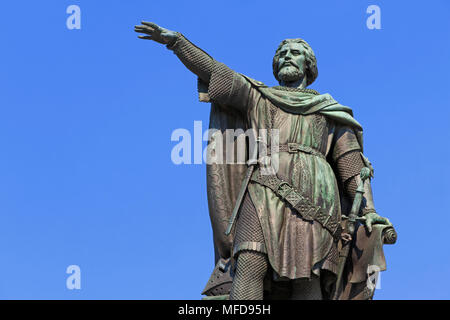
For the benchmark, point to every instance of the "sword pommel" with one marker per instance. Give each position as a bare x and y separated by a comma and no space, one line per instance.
365,173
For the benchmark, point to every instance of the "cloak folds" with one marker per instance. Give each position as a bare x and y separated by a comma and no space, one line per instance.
224,180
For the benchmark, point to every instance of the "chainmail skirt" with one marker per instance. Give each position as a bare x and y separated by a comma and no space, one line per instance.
249,234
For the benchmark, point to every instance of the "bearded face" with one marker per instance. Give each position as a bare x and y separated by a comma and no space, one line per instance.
290,73
291,63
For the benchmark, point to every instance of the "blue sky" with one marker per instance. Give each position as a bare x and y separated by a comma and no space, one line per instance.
86,118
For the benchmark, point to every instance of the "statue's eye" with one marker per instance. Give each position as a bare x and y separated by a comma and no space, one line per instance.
295,52
282,53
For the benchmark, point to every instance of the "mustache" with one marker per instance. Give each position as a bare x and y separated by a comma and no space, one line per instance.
289,63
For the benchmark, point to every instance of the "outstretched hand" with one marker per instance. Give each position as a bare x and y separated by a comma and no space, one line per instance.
156,33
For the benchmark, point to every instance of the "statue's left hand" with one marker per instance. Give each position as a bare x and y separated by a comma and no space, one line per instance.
156,33
373,218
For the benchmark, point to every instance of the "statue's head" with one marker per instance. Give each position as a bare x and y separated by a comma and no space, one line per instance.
293,60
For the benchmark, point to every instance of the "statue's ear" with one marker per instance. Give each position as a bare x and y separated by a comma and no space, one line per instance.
202,89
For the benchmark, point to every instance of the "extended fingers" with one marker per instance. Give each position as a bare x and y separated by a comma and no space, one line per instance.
150,24
377,220
144,29
383,220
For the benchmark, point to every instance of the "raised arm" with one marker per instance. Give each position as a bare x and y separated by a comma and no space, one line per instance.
224,85
195,59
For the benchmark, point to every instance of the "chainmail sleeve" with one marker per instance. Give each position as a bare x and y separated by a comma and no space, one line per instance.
348,161
349,166
223,85
194,58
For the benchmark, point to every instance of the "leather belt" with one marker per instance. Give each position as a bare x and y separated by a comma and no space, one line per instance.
293,147
302,205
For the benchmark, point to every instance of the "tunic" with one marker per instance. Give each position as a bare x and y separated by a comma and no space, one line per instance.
295,247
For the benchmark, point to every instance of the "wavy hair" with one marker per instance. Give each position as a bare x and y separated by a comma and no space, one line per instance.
311,71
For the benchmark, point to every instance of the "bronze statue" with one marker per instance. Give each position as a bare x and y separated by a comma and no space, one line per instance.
308,230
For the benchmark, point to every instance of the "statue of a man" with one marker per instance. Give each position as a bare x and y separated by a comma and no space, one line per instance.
288,229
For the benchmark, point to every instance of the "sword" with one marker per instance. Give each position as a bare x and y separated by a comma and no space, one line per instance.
240,197
245,182
349,233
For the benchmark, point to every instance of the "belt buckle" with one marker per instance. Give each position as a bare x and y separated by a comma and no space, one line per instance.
292,147
283,189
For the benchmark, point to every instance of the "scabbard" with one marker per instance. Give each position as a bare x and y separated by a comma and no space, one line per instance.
240,197
350,229
343,256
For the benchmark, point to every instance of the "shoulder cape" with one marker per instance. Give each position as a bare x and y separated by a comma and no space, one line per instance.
309,102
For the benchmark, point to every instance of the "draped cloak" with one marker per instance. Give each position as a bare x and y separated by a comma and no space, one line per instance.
295,248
